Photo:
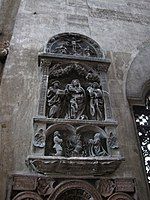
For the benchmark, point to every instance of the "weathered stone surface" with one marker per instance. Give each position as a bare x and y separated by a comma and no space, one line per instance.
138,82
118,26
56,187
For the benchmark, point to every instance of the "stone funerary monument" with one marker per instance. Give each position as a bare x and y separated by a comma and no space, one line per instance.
74,117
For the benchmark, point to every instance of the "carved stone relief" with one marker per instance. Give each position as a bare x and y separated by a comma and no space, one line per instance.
55,188
112,141
85,141
80,98
74,44
105,187
45,186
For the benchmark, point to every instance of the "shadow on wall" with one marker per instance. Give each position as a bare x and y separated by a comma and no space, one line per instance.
138,78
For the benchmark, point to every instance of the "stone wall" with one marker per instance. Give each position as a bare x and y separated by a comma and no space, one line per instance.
119,26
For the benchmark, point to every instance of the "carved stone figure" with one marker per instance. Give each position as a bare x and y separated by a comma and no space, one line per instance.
78,147
96,101
55,99
74,44
112,141
57,144
76,99
96,148
39,139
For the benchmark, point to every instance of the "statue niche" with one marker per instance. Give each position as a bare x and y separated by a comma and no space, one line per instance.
66,141
77,95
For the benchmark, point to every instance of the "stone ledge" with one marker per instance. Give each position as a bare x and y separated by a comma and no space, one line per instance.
43,119
77,166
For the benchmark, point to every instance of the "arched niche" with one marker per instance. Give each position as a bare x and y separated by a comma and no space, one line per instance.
95,140
138,77
64,133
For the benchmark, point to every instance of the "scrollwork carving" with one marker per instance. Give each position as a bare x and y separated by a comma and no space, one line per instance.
39,139
112,141
105,187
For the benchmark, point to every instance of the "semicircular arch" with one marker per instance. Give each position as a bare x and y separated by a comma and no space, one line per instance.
138,77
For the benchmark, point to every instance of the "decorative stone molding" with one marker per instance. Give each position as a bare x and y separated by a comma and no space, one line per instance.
56,188
74,166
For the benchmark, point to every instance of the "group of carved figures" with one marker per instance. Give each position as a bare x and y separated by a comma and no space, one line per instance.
92,147
74,99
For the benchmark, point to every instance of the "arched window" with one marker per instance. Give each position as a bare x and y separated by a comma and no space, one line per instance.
142,118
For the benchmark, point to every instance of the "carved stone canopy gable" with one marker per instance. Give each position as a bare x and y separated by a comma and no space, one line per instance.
73,44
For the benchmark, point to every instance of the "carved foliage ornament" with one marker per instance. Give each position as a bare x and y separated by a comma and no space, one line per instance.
105,187
73,44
